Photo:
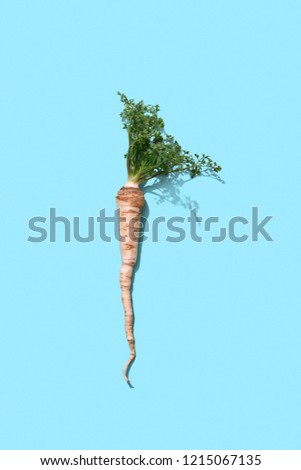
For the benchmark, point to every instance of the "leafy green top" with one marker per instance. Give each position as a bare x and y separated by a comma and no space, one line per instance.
151,151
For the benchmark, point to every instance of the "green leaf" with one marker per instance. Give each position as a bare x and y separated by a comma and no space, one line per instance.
151,151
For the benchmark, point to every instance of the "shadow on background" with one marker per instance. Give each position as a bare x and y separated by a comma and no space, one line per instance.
168,189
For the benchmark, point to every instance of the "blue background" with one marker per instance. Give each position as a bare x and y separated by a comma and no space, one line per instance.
217,325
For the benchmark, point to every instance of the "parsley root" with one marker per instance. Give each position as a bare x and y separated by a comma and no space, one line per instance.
130,200
151,153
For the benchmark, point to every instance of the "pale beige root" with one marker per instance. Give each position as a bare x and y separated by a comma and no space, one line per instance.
130,201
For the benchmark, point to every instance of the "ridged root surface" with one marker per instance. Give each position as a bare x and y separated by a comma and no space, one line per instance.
130,201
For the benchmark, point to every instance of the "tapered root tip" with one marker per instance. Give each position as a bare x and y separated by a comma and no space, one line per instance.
126,378
126,370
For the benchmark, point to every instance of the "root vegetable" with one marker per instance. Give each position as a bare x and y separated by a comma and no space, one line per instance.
130,201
